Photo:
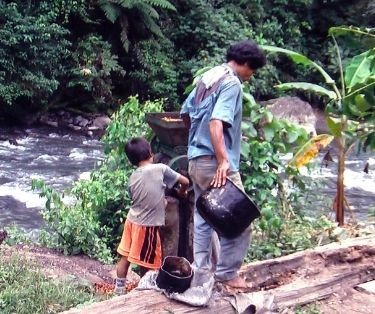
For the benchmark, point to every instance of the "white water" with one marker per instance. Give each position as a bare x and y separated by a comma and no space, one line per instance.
58,159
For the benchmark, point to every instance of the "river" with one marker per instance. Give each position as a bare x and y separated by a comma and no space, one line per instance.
60,158
57,158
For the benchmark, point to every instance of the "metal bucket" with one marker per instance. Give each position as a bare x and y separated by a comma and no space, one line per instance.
175,274
228,210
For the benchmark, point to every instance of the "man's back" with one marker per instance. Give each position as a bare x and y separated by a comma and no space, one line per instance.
224,104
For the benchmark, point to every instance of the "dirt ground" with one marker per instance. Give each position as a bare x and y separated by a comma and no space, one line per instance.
57,265
350,301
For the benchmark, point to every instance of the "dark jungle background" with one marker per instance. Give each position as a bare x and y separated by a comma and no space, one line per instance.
90,55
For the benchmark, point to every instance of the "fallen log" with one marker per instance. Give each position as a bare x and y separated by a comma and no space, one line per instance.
288,281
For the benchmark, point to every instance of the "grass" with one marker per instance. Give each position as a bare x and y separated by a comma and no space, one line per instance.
25,289
308,309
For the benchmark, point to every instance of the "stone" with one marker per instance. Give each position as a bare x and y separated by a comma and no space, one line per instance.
101,122
294,110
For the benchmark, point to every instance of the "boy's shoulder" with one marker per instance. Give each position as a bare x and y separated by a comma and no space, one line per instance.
150,168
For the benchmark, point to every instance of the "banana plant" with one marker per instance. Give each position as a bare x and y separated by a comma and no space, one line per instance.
350,110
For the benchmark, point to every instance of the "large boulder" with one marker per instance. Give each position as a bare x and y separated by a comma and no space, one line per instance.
101,122
294,110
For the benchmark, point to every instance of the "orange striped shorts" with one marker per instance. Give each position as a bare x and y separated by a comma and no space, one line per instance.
141,245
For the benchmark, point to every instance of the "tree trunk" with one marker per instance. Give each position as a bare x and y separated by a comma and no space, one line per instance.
340,196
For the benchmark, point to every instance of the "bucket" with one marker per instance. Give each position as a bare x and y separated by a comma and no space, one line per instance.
228,210
175,274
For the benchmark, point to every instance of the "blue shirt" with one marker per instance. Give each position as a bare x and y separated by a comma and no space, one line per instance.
224,104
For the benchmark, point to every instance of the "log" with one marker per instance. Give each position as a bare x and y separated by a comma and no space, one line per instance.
288,281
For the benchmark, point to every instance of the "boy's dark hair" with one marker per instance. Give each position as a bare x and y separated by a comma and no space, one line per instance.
137,149
247,52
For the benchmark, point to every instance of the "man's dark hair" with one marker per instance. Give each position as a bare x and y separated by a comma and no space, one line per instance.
137,149
247,52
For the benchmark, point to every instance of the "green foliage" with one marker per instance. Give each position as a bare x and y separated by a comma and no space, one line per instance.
280,233
63,10
355,100
25,290
77,227
308,309
165,42
32,53
201,31
16,235
92,223
266,138
281,229
94,67
155,75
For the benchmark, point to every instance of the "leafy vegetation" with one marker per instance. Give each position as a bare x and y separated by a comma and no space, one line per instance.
18,295
33,50
94,54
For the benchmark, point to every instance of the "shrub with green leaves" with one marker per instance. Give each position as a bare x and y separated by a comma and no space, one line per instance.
93,68
32,53
282,227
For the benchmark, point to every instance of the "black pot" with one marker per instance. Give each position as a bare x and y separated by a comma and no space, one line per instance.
228,210
175,274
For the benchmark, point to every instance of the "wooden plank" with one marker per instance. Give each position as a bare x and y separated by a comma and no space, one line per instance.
306,292
150,302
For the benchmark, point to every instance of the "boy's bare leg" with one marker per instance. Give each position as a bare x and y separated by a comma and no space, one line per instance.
122,267
122,271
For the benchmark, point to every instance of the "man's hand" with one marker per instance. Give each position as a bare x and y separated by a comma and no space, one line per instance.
221,174
218,142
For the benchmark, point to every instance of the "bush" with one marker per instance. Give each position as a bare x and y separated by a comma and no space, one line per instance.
32,53
93,68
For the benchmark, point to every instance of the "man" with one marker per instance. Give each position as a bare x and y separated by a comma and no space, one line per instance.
213,112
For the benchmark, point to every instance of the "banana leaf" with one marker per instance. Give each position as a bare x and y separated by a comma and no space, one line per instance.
308,87
300,59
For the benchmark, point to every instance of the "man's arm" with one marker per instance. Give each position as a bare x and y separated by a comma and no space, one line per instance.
217,138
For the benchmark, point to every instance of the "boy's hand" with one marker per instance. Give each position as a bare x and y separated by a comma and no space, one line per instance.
181,192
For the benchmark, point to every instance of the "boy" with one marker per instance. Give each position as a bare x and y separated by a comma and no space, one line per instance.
140,243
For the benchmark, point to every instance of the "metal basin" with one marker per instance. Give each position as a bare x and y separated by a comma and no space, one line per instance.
175,274
228,210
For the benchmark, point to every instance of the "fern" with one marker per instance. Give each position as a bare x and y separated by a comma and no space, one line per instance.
111,12
145,10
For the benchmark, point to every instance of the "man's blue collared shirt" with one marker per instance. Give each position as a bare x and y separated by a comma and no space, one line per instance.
224,104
